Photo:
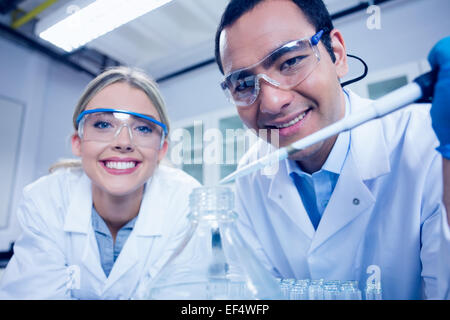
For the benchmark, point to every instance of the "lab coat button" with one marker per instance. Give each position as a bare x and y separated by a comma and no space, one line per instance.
355,201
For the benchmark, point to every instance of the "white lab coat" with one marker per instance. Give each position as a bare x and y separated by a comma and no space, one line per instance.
384,214
57,256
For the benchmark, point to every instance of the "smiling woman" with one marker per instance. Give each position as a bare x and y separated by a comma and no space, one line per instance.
94,228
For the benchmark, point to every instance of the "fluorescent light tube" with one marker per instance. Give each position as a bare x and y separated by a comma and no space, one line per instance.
95,20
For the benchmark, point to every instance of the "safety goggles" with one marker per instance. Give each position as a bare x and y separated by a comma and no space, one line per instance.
285,68
104,125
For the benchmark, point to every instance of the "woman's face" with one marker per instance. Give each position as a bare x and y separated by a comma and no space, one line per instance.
119,167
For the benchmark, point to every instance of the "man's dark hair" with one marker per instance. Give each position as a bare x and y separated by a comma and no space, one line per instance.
315,11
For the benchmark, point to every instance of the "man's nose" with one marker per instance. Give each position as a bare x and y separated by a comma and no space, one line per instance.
123,140
272,98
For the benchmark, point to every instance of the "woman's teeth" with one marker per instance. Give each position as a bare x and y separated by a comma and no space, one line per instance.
293,121
120,165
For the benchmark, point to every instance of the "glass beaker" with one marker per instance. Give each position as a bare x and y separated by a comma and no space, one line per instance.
213,261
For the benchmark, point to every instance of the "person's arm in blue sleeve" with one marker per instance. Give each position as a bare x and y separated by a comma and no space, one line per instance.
440,115
440,111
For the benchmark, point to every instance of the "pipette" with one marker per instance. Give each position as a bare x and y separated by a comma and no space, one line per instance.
420,90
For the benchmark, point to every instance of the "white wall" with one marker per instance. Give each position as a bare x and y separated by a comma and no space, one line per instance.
409,29
49,90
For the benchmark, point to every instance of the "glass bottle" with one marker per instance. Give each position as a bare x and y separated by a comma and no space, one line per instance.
213,261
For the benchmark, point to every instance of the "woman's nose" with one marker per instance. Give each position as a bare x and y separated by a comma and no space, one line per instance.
123,140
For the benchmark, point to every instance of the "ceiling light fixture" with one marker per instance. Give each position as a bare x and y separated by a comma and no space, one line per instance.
92,21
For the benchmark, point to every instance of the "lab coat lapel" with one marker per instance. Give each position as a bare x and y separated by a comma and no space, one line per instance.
368,158
349,199
284,193
128,258
78,223
139,247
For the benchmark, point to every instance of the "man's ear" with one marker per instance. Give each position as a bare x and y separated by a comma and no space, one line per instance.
340,52
76,144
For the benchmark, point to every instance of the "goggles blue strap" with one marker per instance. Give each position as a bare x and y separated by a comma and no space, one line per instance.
139,115
316,38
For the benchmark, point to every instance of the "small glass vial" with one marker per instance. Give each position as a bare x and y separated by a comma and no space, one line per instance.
331,290
299,291
373,291
315,290
286,286
350,290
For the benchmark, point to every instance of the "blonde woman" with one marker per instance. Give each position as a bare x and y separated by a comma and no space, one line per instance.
93,230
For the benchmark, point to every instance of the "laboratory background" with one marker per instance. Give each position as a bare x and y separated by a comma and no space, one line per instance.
42,75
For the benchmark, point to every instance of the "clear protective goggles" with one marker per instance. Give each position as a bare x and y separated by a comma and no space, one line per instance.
104,125
285,68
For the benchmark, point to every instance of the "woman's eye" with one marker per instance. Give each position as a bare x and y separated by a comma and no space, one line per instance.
144,129
102,125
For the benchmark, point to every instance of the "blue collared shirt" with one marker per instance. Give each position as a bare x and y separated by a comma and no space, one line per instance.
315,189
109,251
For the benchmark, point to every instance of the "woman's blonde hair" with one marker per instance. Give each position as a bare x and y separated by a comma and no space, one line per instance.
131,76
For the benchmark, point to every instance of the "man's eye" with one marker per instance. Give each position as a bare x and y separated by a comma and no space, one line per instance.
102,125
292,63
244,84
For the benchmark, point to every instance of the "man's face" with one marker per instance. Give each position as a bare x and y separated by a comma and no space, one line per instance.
311,105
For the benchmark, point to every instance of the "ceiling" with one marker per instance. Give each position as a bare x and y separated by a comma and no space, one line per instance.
176,36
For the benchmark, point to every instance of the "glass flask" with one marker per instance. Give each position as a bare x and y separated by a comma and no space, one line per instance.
213,261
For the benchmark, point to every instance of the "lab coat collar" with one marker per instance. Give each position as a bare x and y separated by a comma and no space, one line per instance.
368,143
150,217
149,224
78,217
349,200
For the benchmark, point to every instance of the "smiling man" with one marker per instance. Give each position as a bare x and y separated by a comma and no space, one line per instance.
364,200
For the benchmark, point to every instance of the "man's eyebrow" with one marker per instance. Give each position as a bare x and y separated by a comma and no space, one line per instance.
239,74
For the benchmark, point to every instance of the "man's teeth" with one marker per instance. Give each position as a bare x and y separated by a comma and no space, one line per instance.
293,121
120,165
